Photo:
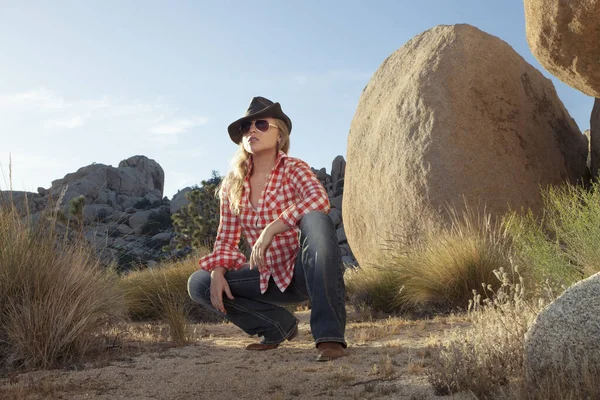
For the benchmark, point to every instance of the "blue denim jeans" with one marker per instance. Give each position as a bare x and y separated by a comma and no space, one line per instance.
318,277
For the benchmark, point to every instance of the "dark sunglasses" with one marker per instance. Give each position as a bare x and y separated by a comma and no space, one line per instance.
262,125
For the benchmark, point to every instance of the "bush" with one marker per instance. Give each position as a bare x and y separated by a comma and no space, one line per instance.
439,272
197,223
490,353
161,293
53,294
563,243
375,288
488,360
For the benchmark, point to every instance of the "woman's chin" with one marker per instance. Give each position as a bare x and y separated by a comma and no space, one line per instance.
258,148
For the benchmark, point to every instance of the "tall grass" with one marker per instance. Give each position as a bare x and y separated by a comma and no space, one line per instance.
446,268
439,271
161,293
375,288
53,294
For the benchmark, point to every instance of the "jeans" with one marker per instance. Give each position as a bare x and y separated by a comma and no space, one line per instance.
318,277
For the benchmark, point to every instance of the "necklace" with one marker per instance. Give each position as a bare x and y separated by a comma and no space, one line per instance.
263,181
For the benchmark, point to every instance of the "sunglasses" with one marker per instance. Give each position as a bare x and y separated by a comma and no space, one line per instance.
262,125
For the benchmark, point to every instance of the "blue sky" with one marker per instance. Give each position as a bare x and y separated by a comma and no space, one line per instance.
100,81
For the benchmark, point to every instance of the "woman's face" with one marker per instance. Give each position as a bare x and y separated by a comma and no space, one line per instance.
256,141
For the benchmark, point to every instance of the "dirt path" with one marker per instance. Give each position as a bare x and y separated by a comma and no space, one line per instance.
385,360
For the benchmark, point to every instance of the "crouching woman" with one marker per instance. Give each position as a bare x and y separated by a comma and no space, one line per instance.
280,206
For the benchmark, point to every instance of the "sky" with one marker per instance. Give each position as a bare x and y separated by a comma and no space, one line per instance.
85,82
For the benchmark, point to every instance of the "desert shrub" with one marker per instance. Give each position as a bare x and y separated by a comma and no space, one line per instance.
375,288
197,223
161,293
54,296
490,353
563,242
439,272
488,360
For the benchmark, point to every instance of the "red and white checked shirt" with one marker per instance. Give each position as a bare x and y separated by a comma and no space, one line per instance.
292,191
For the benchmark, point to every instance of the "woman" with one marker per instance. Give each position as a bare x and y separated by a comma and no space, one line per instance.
280,206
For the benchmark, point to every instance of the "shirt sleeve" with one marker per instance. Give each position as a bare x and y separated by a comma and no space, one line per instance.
225,252
309,189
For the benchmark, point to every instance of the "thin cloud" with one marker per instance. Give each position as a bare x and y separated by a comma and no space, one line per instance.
40,98
67,122
178,126
50,113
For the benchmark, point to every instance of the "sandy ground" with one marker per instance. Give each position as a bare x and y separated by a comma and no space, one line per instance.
386,359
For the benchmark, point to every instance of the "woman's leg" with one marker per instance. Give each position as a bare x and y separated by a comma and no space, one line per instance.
253,312
324,274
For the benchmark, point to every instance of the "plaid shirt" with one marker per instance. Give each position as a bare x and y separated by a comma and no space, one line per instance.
292,191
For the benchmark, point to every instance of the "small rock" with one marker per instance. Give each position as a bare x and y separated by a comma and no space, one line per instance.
139,219
124,229
336,216
336,202
348,260
162,237
341,235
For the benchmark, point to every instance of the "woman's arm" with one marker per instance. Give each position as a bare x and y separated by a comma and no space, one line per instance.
313,194
225,252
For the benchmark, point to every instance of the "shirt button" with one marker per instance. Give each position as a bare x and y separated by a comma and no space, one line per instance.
257,222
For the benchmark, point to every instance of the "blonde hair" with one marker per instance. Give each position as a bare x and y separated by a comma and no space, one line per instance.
233,183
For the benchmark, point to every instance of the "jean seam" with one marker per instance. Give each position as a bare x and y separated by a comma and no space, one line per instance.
342,341
243,280
295,289
276,324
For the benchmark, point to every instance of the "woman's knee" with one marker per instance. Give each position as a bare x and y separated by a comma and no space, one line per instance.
198,286
316,221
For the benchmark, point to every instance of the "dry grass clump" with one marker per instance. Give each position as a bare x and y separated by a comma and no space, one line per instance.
54,295
374,288
489,354
438,272
161,293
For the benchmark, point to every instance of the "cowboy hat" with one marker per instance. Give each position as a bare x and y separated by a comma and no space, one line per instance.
259,108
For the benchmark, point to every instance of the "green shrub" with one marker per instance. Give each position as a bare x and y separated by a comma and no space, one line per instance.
563,243
197,223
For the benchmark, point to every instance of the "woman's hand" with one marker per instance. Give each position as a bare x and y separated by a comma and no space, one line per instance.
257,258
218,285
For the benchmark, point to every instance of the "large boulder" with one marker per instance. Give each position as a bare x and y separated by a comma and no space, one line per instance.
441,124
564,35
566,334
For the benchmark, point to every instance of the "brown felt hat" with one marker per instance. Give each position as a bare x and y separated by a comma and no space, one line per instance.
259,108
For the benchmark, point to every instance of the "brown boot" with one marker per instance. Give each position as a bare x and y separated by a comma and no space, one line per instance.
270,346
329,351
